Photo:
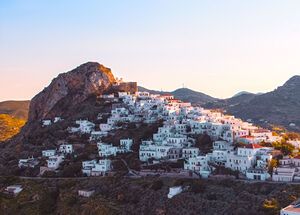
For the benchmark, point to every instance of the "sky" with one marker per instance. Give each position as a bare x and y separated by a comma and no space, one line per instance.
217,47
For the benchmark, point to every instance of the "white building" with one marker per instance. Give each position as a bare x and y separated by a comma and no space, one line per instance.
292,209
105,127
257,174
85,127
66,148
48,153
46,122
96,135
147,150
57,119
54,161
28,163
284,174
173,191
190,152
246,157
106,150
126,144
14,189
94,168
86,193
199,165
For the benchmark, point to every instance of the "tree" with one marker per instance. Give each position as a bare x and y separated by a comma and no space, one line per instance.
204,143
157,185
273,163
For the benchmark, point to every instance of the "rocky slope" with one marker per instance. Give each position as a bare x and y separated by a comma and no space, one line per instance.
72,87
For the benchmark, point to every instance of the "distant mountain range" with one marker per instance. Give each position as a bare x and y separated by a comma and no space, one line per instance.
18,109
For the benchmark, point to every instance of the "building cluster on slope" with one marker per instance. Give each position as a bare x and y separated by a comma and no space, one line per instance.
174,139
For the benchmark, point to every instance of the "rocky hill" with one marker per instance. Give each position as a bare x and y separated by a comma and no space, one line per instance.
17,109
70,88
71,95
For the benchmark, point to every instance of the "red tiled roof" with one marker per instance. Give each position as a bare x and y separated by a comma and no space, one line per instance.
247,136
261,130
253,146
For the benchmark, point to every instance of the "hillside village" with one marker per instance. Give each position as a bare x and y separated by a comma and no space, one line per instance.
238,148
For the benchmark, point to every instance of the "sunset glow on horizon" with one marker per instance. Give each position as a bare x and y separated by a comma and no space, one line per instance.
216,47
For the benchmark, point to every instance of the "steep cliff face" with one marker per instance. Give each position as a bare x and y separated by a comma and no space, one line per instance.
74,86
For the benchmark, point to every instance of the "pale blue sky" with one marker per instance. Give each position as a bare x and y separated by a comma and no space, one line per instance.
216,47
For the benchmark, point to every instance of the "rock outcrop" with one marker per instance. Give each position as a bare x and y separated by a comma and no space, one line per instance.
75,86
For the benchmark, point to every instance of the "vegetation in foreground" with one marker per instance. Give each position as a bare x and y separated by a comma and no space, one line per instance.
9,126
117,195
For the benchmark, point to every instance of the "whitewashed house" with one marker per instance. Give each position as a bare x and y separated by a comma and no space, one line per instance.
57,119
85,126
219,156
87,166
173,191
106,150
14,189
46,122
54,162
105,127
199,165
66,149
97,135
257,174
28,163
143,95
94,168
86,193
284,174
48,153
122,94
102,167
190,152
147,150
177,140
243,159
126,144
175,153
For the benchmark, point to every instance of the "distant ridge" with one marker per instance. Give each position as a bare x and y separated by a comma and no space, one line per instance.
242,93
185,94
17,109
